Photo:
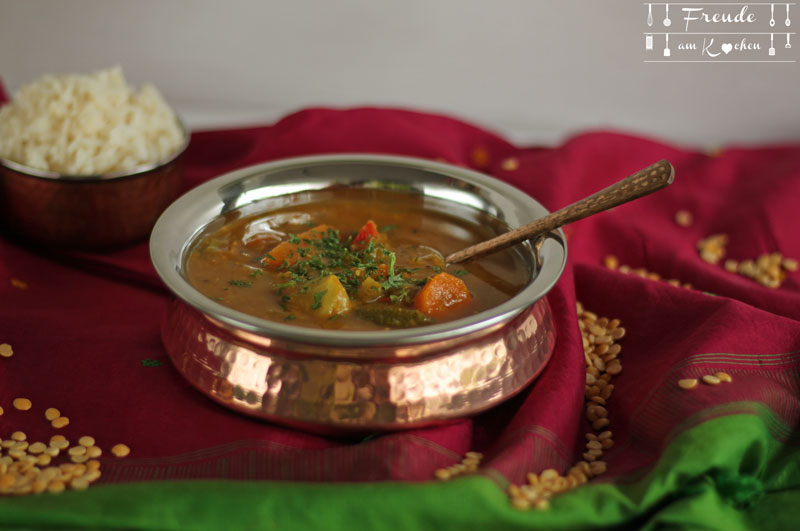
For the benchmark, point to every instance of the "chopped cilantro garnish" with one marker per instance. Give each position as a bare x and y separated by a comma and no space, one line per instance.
294,239
460,272
387,228
289,317
241,283
318,299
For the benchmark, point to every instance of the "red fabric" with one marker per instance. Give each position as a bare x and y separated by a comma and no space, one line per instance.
86,328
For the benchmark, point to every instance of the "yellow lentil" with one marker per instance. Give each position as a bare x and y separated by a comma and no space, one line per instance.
711,380
724,377
37,448
687,383
23,404
683,218
6,351
18,436
86,441
60,422
77,450
51,413
510,164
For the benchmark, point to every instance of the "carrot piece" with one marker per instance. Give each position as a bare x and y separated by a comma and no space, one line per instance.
365,234
289,251
441,293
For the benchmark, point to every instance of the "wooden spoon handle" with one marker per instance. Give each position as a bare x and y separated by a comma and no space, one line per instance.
641,183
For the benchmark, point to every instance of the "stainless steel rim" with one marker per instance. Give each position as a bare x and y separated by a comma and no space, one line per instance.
178,226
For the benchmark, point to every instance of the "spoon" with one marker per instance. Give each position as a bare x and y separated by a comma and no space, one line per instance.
787,22
650,14
772,15
643,182
667,21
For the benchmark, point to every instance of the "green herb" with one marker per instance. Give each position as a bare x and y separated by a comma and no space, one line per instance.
318,299
387,228
241,283
460,272
294,239
272,257
289,317
256,273
287,284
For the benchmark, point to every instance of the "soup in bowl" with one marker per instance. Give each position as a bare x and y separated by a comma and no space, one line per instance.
313,291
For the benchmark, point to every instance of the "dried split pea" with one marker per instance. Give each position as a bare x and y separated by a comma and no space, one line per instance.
684,218
120,450
6,351
711,380
59,441
688,383
510,164
23,404
86,440
60,422
94,451
77,450
724,377
51,413
18,436
37,448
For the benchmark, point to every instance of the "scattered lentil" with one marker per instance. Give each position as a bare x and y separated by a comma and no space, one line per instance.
724,377
684,218
687,383
60,422
712,248
23,404
37,448
611,262
710,379
120,450
51,413
19,284
6,351
599,337
510,164
469,464
86,441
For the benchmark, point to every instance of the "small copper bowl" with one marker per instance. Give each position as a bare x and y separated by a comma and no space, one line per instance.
87,212
339,381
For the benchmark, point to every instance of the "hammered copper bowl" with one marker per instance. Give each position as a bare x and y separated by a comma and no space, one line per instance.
340,381
93,212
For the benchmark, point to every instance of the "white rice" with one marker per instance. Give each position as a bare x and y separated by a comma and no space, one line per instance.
87,125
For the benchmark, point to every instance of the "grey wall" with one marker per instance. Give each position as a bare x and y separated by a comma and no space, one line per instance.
533,70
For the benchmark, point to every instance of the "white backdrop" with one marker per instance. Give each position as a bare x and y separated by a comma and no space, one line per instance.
533,70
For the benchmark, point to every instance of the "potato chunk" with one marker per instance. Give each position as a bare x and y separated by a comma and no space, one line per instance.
328,298
370,290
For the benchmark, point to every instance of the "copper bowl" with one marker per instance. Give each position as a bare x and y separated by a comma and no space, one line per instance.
87,212
338,381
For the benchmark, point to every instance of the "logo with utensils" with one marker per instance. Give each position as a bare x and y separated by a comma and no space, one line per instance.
718,32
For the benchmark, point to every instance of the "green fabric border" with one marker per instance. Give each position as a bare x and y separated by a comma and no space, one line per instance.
727,473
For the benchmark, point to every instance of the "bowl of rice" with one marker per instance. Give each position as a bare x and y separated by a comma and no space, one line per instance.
87,161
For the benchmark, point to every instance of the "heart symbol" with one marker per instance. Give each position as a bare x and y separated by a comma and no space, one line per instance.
727,47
